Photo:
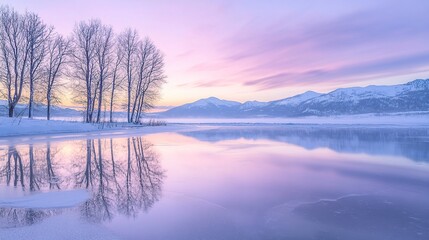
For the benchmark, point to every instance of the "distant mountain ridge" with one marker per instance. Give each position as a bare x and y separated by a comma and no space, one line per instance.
39,110
411,96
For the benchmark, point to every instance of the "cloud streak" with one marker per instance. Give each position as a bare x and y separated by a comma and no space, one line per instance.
347,48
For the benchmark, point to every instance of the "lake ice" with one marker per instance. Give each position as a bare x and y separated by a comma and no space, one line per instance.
227,182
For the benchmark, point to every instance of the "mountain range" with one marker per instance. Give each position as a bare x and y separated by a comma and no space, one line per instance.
408,97
39,110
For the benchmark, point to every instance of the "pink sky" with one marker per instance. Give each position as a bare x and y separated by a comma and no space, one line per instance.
264,50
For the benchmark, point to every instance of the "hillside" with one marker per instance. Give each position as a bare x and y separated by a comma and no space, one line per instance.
409,97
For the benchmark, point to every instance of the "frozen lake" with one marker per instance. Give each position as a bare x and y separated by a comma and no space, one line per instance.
224,182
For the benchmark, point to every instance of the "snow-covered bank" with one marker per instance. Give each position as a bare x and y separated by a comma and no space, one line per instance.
16,127
23,131
24,126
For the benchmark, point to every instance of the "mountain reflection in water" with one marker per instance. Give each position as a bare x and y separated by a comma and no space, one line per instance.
412,143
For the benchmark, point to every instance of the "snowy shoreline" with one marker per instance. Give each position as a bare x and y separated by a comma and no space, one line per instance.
13,128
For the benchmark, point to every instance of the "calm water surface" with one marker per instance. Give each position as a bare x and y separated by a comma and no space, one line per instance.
266,182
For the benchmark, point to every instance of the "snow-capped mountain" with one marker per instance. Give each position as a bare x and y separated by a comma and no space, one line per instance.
412,96
211,102
252,105
207,107
297,99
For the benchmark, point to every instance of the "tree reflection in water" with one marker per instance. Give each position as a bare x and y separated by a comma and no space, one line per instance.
124,176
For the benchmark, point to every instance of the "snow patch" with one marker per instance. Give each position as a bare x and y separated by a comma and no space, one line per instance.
296,100
253,104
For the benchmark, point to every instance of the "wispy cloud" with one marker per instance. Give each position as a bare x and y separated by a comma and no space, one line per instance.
353,72
382,41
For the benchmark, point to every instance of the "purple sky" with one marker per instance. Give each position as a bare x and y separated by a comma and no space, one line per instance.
265,50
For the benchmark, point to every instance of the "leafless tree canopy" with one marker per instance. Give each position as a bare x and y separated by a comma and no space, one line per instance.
37,35
14,56
103,63
58,52
106,71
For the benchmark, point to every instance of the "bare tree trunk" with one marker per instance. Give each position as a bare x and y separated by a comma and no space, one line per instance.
88,108
88,94
140,108
11,108
48,107
100,100
94,99
129,101
31,99
111,103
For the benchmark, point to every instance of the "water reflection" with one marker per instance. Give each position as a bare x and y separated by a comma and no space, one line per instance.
287,182
412,143
124,176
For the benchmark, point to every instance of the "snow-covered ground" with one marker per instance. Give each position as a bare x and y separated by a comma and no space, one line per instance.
13,127
23,126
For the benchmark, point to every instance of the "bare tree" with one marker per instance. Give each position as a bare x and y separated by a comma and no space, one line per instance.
143,51
100,65
37,34
14,55
84,59
57,53
128,40
147,76
104,59
150,78
116,76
